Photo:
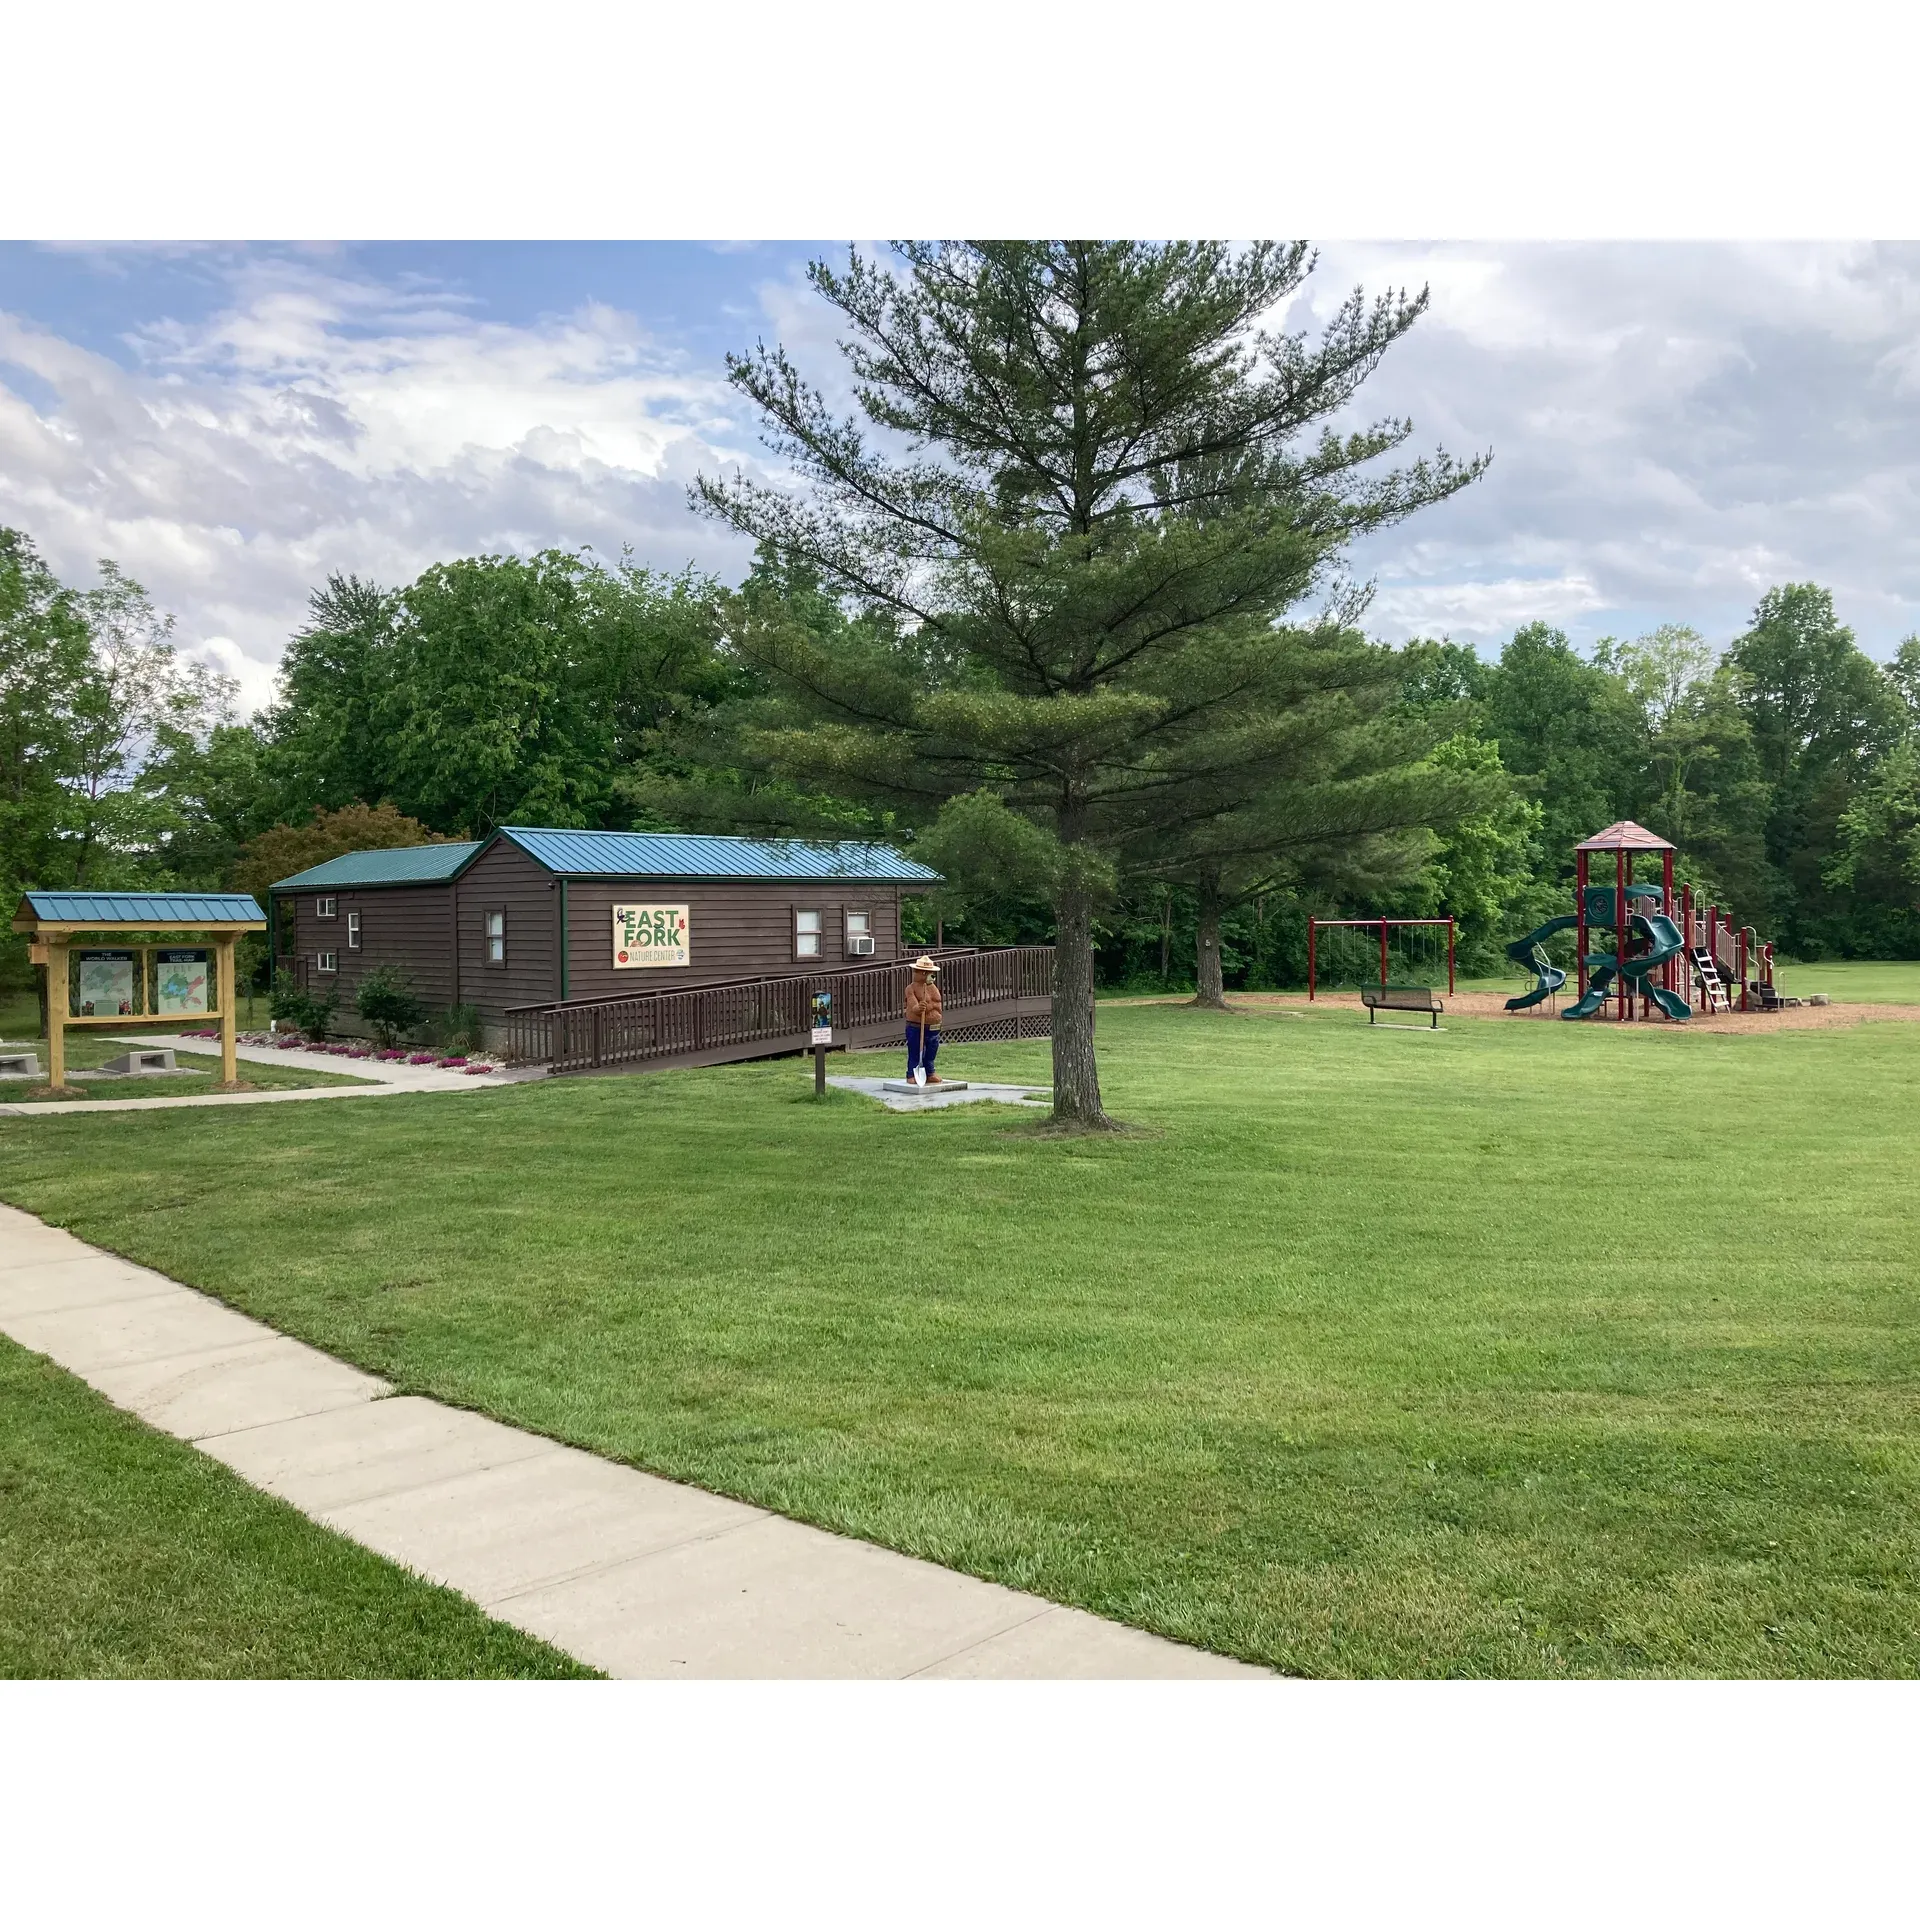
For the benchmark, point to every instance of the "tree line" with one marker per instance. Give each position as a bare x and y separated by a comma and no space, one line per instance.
1062,610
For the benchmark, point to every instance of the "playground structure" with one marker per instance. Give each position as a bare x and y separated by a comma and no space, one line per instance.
1654,955
1338,947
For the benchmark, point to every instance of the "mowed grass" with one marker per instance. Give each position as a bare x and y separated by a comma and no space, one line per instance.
125,1554
87,1051
1518,1349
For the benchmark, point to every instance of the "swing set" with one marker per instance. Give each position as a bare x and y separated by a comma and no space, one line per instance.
1379,951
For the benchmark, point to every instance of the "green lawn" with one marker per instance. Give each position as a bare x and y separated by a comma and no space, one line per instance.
126,1554
89,1050
1523,1348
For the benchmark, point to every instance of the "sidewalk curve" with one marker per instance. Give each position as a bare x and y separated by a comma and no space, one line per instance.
640,1576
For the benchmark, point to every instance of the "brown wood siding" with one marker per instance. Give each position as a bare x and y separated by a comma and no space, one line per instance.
504,879
735,928
405,927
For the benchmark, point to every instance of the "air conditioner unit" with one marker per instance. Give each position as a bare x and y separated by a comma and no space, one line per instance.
859,943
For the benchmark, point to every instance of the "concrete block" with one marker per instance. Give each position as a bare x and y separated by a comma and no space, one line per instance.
117,1333
328,1461
20,1066
770,1601
1064,1644
87,1279
527,1524
141,1060
196,1396
913,1086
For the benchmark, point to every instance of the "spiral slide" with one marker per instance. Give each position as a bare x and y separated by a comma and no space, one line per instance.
1548,979
1664,942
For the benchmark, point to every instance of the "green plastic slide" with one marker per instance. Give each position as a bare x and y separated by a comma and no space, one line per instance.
1599,985
1663,942
1548,979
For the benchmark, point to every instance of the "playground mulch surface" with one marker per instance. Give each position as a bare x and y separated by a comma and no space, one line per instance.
1494,1005
1504,1353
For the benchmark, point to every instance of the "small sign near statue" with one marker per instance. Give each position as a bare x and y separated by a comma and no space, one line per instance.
822,1039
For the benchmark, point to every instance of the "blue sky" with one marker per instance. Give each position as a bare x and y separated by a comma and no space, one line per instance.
1675,427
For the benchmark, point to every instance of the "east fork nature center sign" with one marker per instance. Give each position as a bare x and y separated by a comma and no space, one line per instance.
651,937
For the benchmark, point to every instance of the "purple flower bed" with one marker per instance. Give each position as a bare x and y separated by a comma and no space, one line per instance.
453,1060
480,1066
294,1041
391,1053
421,1059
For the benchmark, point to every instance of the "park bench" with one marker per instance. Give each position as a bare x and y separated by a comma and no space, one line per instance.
1402,1000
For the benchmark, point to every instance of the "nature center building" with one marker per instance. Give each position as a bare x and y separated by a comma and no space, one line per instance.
547,915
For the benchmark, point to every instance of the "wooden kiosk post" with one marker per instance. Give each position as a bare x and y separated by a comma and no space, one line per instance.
59,921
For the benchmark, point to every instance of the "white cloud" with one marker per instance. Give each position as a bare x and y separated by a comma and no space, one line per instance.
320,422
1675,429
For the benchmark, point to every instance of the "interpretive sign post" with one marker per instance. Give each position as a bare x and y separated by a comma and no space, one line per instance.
822,1039
139,983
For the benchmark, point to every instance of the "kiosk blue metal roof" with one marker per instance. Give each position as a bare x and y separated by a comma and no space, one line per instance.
145,909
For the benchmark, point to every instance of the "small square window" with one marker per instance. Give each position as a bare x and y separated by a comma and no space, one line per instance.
497,938
353,932
859,920
806,934
325,907
327,963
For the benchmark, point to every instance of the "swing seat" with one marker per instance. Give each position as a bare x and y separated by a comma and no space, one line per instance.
1402,1000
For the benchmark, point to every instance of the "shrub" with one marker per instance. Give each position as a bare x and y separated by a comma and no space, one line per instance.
388,1004
463,1033
313,1017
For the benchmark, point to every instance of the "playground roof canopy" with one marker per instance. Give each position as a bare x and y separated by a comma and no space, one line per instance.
40,909
1627,836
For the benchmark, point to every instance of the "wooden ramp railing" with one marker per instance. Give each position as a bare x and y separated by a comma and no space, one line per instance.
988,987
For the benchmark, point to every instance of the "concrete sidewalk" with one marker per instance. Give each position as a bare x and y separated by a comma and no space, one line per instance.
380,1076
640,1576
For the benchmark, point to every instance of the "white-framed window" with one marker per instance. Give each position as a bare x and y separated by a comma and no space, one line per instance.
325,907
859,931
806,933
326,963
353,933
496,922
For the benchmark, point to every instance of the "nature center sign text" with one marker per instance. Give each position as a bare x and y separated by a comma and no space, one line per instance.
651,937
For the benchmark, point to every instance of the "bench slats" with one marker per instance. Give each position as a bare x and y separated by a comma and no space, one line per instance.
1402,1000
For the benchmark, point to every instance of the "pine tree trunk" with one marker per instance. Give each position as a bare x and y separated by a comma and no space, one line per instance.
1212,991
1076,1073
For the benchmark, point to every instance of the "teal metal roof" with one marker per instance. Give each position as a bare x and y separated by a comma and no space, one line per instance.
709,856
386,867
110,909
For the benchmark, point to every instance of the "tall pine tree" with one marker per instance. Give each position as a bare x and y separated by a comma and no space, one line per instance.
1099,482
